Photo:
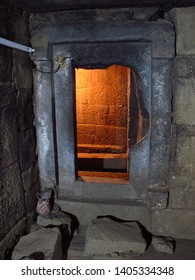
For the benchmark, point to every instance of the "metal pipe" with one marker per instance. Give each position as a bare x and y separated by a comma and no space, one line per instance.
14,45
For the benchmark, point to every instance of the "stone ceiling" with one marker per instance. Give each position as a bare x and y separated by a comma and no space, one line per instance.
38,6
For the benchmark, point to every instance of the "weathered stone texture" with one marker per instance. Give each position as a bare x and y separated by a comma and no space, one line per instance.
46,240
177,223
7,243
183,19
8,136
11,198
163,244
184,101
106,236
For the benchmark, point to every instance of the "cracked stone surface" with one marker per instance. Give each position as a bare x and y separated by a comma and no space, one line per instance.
106,236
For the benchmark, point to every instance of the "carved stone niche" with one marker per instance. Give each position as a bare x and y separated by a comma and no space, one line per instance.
147,49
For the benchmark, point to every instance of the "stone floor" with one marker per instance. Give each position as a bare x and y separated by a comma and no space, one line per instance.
185,250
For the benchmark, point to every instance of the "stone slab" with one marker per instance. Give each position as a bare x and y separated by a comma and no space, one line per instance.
45,240
161,86
86,211
106,236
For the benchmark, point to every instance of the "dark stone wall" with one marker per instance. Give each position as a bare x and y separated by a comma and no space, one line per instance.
18,170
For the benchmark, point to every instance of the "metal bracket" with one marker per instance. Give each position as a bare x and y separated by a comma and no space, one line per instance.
14,45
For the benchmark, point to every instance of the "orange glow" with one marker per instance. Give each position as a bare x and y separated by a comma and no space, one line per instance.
102,110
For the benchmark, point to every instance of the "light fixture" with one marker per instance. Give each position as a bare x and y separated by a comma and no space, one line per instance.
14,45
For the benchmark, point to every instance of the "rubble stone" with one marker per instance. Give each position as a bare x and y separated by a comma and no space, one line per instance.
105,236
163,244
45,240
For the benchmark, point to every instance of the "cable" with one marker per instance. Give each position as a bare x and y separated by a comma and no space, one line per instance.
53,71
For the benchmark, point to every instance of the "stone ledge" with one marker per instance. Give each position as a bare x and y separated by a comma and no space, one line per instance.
87,211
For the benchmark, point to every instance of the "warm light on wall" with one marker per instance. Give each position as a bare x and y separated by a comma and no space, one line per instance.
102,105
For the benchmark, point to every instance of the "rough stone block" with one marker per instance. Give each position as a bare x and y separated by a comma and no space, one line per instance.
184,67
177,223
44,127
8,136
11,198
162,86
185,155
163,40
183,19
46,241
27,149
163,244
184,101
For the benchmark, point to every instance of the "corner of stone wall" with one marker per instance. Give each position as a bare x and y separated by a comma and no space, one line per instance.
179,218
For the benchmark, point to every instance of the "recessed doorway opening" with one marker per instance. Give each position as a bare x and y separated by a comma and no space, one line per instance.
108,122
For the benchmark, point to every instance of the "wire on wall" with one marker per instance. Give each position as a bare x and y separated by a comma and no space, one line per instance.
53,71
